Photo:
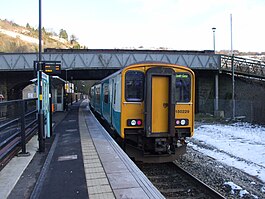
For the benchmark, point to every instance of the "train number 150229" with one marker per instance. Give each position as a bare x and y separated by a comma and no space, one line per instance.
182,111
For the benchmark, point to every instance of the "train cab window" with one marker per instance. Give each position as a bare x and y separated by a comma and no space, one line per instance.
134,86
183,87
106,93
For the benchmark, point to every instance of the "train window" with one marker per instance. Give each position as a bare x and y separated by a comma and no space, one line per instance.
134,86
183,86
106,93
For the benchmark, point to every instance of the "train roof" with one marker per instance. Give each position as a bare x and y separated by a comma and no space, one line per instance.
139,64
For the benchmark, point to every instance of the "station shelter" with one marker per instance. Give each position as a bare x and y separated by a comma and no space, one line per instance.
57,92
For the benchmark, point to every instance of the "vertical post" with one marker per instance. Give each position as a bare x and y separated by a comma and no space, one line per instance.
214,38
23,152
231,34
216,104
233,73
40,113
233,89
72,90
23,133
40,32
50,102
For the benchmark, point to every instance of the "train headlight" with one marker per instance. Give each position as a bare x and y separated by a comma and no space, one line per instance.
134,122
182,122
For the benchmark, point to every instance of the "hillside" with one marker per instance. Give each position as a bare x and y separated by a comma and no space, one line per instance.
15,38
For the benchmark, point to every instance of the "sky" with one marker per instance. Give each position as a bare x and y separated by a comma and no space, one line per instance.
172,24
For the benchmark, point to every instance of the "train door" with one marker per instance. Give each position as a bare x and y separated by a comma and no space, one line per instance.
160,102
159,115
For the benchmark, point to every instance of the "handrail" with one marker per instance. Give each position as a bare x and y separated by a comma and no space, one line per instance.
15,132
6,141
8,123
15,101
243,66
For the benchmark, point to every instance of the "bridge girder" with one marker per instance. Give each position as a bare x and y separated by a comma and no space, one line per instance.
110,59
89,59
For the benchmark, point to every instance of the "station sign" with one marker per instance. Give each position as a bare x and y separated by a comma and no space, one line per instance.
51,67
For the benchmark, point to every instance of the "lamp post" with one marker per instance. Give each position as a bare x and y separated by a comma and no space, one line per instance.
40,94
233,73
216,102
214,38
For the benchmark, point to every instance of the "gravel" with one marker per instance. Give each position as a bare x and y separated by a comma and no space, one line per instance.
227,180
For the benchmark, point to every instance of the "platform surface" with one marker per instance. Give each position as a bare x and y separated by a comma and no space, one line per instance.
82,162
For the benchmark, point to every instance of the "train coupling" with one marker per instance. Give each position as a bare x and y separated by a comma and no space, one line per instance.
162,146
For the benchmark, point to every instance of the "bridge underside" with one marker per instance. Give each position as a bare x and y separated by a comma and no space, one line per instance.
13,82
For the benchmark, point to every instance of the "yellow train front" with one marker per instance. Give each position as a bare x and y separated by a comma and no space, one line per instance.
150,106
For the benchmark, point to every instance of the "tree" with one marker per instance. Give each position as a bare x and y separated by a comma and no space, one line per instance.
73,39
63,34
43,30
28,26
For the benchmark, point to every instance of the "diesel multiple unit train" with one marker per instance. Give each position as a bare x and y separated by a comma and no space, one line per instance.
149,107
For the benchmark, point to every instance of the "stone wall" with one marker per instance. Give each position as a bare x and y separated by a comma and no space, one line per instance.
249,96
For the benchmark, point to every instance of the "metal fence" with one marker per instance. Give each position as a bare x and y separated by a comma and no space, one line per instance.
18,120
245,110
248,67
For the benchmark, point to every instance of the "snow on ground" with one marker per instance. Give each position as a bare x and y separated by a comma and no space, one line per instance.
240,145
21,36
236,187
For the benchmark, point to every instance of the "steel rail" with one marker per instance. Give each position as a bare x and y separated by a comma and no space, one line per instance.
213,193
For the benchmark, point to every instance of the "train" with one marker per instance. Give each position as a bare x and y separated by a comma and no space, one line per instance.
149,108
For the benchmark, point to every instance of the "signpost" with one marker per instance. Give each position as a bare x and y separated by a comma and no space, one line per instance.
46,104
44,98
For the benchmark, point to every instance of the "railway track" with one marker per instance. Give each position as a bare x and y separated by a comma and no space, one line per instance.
174,182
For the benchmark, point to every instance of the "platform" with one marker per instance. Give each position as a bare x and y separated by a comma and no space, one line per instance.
83,162
119,172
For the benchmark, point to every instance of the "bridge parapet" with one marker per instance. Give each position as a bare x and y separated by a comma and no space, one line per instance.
110,59
243,66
